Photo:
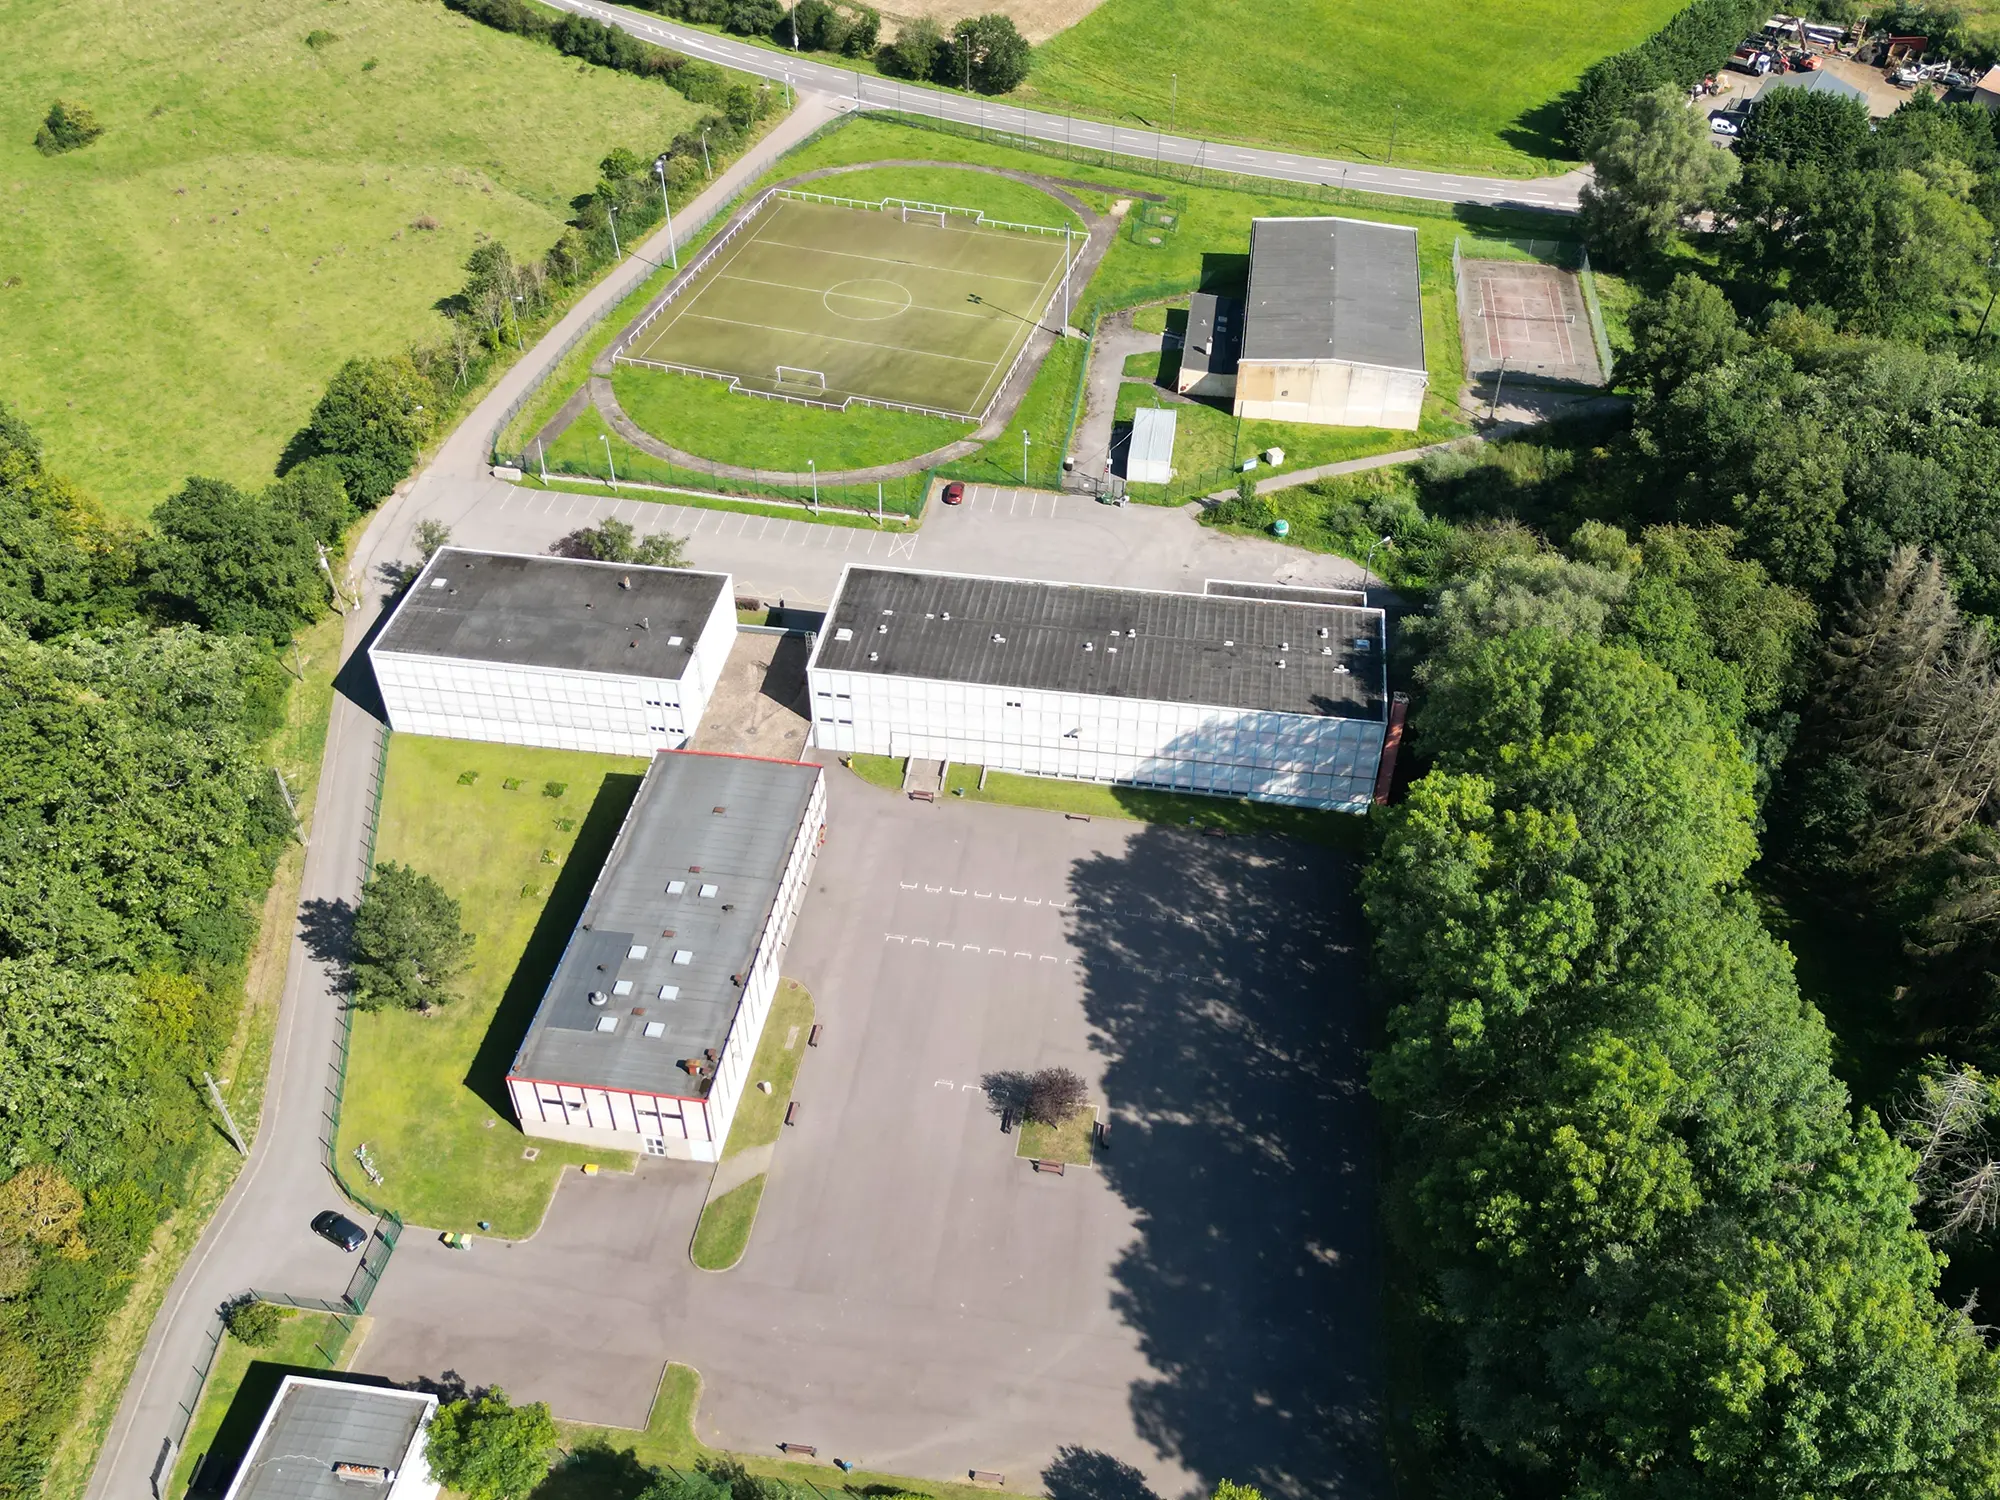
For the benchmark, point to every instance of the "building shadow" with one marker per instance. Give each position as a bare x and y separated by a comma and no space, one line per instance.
487,1077
785,678
1224,983
226,1451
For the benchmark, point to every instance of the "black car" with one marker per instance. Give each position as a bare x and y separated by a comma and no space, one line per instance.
342,1230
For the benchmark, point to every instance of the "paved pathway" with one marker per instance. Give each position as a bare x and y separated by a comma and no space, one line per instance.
862,91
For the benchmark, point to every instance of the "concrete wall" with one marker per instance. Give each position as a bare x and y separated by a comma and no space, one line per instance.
1308,760
1329,393
688,1127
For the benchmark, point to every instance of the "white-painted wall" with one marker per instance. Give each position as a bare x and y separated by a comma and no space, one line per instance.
1329,393
690,1128
1308,760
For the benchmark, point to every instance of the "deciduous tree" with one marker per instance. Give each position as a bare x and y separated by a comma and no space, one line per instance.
487,1449
1653,168
409,945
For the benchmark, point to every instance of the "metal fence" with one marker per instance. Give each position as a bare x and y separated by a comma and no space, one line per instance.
1587,279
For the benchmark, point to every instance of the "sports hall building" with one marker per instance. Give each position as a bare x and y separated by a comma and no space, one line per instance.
1234,691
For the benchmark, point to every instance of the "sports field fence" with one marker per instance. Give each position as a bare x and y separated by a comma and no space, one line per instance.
660,479
1568,255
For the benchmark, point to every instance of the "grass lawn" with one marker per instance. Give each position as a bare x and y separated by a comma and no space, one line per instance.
240,1386
581,450
706,417
724,1231
612,1463
176,294
1044,416
996,197
426,1092
885,771
760,1116
1071,1142
1468,84
784,510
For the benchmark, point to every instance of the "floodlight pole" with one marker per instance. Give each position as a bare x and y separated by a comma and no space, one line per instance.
878,502
707,170
1069,265
513,311
660,169
542,457
235,1135
602,438
1024,455
611,213
1395,117
813,469
1380,541
1174,103
1493,406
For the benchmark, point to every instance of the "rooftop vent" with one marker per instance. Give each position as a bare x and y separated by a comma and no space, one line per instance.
676,887
621,987
607,1023
888,611
718,811
843,634
1322,632
1362,643
656,1029
625,582
1281,664
637,950
670,992
945,616
363,1473
1090,645
1229,643
683,955
710,892
1284,645
999,639
672,640
874,655
598,997
437,583
881,629
1326,651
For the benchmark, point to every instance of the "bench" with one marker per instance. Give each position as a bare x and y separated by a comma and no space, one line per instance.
804,1448
986,1476
1076,817
812,1037
1048,1166
923,796
792,1113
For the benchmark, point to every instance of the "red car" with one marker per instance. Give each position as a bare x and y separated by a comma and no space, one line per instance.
954,494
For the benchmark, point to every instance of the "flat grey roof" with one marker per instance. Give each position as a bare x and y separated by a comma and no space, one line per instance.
722,828
1214,335
1152,436
314,1425
554,612
1334,289
1116,643
1297,593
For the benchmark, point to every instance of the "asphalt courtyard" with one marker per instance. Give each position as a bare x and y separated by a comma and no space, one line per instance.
915,1299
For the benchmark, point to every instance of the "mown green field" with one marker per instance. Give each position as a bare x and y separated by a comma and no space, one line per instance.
1470,84
175,295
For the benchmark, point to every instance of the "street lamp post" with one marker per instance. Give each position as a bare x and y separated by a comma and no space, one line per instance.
1380,541
513,311
706,170
1024,455
1395,118
1174,104
602,438
660,171
611,212
813,468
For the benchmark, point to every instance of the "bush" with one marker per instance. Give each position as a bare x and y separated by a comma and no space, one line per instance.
372,422
67,127
408,943
755,17
256,1323
989,52
916,50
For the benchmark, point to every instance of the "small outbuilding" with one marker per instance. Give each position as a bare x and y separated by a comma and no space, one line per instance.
1333,328
1275,699
1986,92
1211,348
1149,454
337,1440
558,652
646,1032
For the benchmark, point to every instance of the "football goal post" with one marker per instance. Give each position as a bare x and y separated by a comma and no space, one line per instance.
923,215
812,380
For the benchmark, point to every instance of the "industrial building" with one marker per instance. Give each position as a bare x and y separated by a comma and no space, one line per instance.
1333,325
1149,452
645,1034
336,1440
1211,347
1276,699
559,652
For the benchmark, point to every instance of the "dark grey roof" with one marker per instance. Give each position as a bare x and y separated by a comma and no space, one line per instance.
316,1424
1175,648
1214,335
702,821
1231,588
1338,289
554,612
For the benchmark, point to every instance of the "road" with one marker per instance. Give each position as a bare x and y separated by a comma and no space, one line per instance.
864,91
258,1236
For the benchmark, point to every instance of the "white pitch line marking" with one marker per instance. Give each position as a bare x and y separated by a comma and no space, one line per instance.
947,945
956,891
1009,898
894,937
920,942
1018,953
1031,900
941,1083
982,895
932,890
1050,958
909,885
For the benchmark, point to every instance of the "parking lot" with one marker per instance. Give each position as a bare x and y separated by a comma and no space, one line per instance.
1199,1305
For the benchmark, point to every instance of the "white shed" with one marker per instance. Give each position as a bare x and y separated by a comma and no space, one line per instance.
557,652
1278,700
1149,456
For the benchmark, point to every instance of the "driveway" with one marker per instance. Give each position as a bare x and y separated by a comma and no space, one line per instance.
915,1299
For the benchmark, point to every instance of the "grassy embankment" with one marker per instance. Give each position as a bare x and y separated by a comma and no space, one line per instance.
426,1093
723,1233
251,211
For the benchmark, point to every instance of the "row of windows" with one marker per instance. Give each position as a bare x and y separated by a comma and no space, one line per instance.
577,687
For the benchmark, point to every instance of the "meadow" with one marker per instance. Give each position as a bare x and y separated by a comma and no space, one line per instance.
1467,84
176,294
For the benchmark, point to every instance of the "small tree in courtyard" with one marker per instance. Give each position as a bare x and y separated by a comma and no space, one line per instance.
408,943
487,1449
1048,1096
616,541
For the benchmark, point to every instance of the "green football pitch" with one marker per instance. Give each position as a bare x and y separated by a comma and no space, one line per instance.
826,302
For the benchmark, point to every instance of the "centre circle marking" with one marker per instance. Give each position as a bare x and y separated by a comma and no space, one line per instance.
874,298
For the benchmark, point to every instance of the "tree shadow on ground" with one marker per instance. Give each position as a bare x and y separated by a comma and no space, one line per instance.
487,1077
594,1470
1223,978
1086,1474
328,930
1540,131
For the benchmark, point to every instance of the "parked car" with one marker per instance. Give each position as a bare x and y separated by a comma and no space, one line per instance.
1723,124
954,494
340,1229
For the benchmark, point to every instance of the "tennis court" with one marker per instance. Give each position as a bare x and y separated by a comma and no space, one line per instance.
904,307
1528,319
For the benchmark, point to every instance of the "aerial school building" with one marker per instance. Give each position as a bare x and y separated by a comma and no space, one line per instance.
646,1032
1247,690
557,652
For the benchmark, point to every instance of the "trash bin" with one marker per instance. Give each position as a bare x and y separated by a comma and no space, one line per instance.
1281,527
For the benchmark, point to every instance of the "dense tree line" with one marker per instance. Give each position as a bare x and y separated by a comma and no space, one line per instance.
1695,43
